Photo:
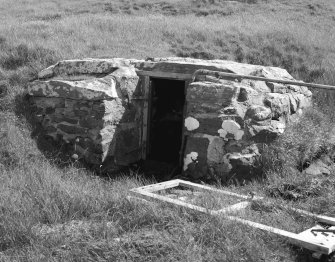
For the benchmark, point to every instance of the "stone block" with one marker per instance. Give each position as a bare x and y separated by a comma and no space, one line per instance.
258,86
61,118
230,129
243,166
80,113
277,87
49,110
50,129
265,132
233,146
106,134
126,81
72,129
246,93
50,102
258,113
195,157
207,124
94,134
89,89
210,96
229,110
302,101
300,89
293,103
318,168
279,104
84,67
89,145
216,149
91,122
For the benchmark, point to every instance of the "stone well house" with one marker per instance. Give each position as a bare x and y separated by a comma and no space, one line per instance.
176,110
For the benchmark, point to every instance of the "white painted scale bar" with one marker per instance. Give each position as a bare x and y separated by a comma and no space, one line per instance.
321,242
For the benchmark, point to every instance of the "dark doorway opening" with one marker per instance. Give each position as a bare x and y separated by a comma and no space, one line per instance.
166,120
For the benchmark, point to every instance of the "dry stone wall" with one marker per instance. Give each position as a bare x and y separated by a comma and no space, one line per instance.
228,121
87,104
97,107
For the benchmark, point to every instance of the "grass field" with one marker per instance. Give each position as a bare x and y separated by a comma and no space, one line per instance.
90,217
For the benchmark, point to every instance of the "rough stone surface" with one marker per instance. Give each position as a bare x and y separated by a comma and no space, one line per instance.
94,115
278,103
239,117
259,113
97,107
319,167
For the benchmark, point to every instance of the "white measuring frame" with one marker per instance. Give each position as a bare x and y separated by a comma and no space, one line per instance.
321,242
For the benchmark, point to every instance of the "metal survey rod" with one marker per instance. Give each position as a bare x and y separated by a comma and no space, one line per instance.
220,74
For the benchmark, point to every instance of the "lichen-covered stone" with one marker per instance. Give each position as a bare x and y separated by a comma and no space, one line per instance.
207,124
191,123
195,161
205,97
252,113
231,129
259,113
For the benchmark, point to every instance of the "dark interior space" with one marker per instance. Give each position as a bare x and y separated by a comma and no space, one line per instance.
166,120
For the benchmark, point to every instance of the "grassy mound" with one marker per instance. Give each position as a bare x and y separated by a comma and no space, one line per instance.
90,217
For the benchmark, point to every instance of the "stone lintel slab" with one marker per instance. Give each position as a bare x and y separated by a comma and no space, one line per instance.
105,88
89,66
92,89
83,67
190,65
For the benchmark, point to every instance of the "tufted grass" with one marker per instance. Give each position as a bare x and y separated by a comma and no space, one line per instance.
35,192
36,189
